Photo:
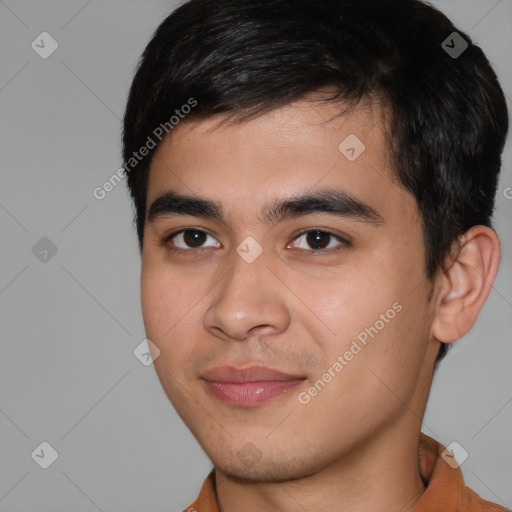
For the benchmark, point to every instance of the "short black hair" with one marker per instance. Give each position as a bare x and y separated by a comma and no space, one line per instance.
448,116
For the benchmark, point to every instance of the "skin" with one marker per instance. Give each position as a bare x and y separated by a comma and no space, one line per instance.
354,445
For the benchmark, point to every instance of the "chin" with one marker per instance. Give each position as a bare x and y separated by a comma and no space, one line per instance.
263,470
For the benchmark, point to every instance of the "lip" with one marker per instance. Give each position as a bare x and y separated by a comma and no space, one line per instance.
250,386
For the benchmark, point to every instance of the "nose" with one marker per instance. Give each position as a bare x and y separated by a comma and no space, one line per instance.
250,300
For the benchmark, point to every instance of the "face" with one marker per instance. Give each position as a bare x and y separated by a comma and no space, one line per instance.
291,330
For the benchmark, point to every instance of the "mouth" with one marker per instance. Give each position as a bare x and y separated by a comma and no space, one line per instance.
248,387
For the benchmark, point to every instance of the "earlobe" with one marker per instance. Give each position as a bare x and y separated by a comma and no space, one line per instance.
465,284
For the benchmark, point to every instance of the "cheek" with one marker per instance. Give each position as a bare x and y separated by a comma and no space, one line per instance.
349,303
170,321
154,302
378,321
395,357
379,369
167,301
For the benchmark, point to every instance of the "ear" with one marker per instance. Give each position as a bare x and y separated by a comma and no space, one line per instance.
465,284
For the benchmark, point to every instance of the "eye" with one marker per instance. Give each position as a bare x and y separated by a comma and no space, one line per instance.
321,241
187,239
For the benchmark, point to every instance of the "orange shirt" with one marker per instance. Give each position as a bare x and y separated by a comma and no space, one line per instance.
446,490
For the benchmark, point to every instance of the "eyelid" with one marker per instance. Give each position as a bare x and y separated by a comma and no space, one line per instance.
344,240
167,238
336,234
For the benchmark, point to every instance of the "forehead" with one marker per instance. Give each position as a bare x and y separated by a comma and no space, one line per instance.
303,128
304,146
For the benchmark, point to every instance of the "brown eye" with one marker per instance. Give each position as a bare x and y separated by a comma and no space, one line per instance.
194,238
319,240
188,239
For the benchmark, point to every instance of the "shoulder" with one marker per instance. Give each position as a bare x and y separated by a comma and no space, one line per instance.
472,502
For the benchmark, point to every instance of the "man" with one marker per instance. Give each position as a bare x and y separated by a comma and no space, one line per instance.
313,184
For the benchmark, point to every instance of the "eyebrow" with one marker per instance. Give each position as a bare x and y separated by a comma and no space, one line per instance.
330,201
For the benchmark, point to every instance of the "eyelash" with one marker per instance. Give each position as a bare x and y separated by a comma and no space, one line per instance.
344,243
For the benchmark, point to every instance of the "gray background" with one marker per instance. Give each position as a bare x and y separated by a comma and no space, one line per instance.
70,324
